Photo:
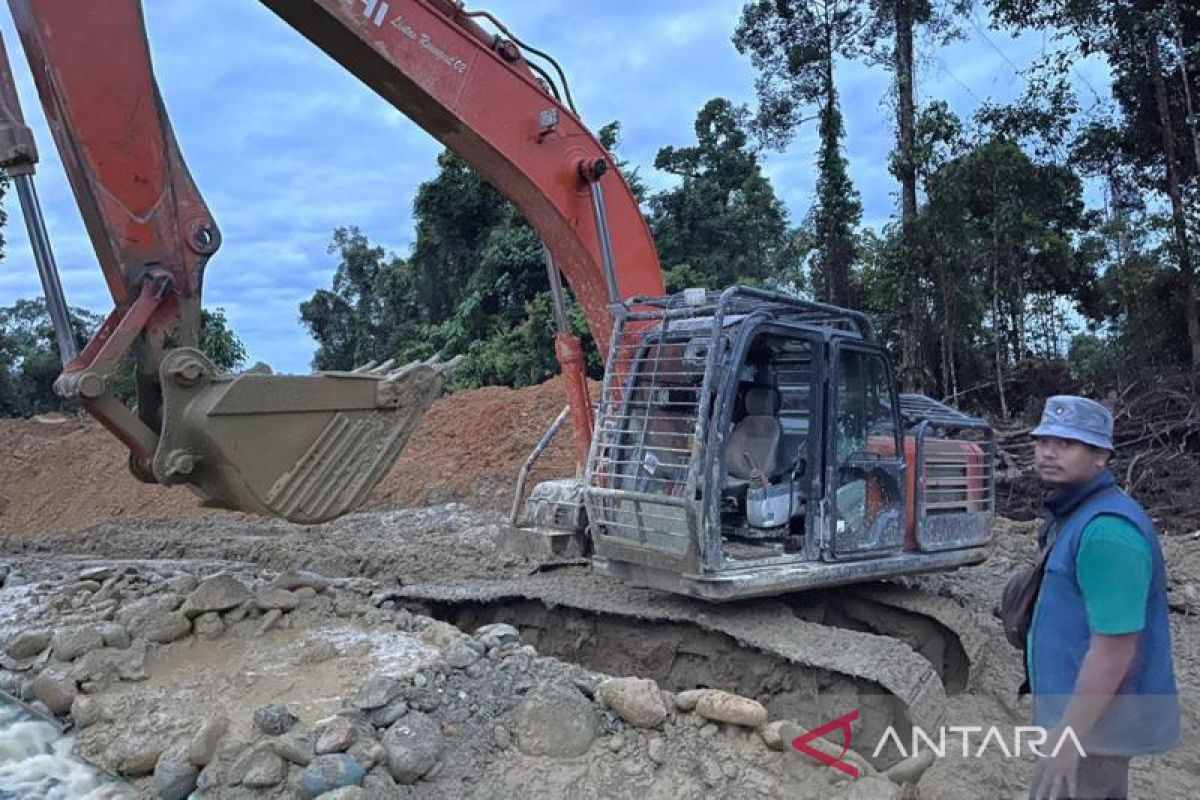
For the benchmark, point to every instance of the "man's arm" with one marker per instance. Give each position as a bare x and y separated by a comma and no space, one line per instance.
1104,667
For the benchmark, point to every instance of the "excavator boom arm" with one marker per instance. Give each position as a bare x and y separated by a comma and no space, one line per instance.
153,234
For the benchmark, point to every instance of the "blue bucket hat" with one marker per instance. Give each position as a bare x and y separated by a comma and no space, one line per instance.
1077,418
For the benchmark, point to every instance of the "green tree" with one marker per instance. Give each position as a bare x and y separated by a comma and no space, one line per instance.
793,45
1150,46
1008,225
30,360
723,223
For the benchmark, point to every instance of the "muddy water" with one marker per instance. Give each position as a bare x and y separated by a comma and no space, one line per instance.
36,763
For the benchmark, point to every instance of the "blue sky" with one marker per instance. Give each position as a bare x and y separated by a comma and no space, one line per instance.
285,146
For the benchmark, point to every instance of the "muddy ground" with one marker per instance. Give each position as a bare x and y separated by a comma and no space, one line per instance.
315,658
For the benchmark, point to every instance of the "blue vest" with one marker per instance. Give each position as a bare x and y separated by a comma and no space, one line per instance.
1144,716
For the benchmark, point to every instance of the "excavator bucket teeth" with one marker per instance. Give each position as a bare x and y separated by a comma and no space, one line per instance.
307,448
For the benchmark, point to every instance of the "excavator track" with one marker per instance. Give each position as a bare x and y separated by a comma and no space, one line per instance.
851,668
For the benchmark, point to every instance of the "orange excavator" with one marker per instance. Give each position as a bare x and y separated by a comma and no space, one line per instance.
746,443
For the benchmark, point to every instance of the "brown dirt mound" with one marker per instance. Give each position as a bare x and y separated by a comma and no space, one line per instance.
59,473
471,445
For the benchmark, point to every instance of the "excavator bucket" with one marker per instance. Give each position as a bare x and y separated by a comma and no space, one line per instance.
307,448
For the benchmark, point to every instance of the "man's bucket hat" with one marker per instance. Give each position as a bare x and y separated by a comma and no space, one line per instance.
1077,418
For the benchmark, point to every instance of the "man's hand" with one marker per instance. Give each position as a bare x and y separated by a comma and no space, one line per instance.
1058,776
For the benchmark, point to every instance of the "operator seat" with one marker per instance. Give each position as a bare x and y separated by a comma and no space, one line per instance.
757,434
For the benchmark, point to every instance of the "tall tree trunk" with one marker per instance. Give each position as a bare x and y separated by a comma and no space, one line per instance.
997,338
997,333
911,367
827,133
1186,268
1193,120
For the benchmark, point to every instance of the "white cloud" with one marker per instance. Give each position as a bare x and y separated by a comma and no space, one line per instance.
285,145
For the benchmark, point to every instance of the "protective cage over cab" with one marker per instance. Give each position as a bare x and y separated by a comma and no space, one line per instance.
748,443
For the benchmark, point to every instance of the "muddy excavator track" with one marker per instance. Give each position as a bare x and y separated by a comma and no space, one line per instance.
805,670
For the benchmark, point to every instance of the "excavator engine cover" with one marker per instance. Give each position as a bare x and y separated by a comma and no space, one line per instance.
303,447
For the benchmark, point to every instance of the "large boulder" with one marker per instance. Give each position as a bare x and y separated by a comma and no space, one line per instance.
298,748
377,693
281,599
167,627
725,707
638,701
203,746
336,736
413,746
221,592
56,688
70,643
28,643
259,767
555,720
174,775
329,773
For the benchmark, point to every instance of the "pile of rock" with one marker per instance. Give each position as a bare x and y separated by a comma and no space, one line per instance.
130,610
384,736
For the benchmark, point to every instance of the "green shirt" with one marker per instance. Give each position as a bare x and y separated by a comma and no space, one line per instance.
1113,568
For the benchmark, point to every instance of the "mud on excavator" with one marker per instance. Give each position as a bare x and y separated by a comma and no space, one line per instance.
746,443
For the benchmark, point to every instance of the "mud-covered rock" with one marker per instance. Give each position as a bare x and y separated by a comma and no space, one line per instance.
134,615
70,643
367,752
221,592
174,775
274,719
638,701
166,628
136,752
555,720
780,734
208,625
871,787
98,573
281,599
910,769
182,583
258,767
376,693
461,653
346,793
297,579
203,745
386,717
298,748
686,700
722,706
115,635
497,634
379,784
268,621
335,736
28,644
87,711
413,746
329,773
100,668
55,687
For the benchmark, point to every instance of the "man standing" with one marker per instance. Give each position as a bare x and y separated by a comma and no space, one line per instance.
1099,645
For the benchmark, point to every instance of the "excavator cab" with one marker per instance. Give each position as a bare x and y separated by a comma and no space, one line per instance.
748,444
